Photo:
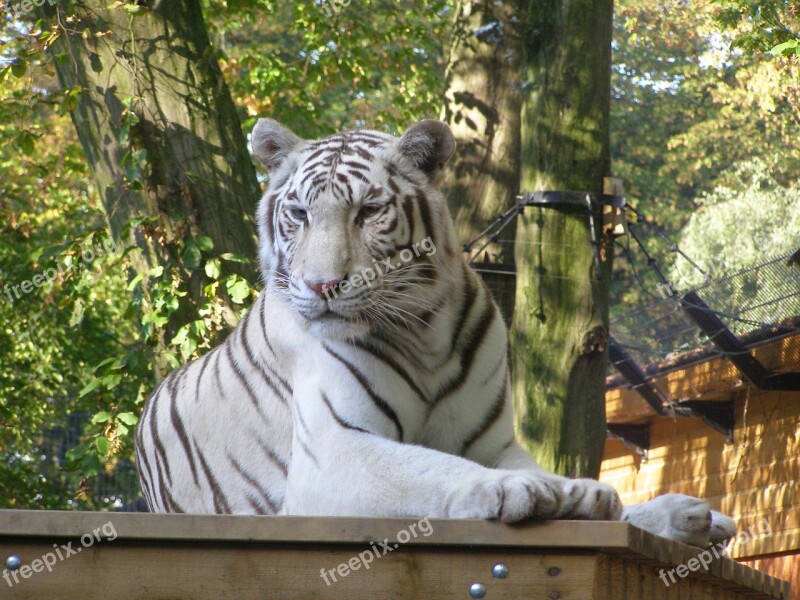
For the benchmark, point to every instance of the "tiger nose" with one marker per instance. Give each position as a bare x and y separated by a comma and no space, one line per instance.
322,288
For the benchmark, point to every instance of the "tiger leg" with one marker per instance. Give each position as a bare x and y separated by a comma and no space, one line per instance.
355,472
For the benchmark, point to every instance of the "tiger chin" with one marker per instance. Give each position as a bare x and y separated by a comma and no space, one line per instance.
370,378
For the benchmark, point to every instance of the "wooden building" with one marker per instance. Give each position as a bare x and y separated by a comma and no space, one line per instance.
727,431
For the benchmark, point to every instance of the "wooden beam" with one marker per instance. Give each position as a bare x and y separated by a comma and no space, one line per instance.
634,436
633,373
199,557
722,337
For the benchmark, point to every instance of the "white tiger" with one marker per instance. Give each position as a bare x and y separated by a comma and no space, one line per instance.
370,377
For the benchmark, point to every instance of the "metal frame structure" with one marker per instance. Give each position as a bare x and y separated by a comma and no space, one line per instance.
717,415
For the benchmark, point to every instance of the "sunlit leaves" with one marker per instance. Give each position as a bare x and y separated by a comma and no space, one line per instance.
688,108
786,48
761,25
744,221
374,63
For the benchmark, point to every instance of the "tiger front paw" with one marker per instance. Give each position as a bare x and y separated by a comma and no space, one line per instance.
510,497
589,499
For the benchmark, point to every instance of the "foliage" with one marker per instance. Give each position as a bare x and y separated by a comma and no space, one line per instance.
374,63
688,105
81,346
52,334
762,25
742,222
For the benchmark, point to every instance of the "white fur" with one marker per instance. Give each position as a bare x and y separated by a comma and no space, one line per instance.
216,436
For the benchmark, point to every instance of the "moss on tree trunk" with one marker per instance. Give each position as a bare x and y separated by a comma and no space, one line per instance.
561,315
159,69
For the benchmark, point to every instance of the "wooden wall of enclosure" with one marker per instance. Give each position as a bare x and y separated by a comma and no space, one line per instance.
755,478
175,557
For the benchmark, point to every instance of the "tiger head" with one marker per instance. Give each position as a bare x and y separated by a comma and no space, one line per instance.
354,232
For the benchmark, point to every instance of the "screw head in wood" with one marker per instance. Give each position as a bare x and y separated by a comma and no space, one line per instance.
500,571
13,562
477,590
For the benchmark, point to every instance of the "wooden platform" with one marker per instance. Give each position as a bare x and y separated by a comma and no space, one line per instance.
172,557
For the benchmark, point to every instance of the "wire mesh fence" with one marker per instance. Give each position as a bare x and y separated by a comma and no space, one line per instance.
763,297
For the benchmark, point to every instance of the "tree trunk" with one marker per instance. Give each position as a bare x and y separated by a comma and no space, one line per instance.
482,107
150,82
561,317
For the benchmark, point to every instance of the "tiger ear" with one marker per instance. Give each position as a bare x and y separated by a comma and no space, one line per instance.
272,142
427,145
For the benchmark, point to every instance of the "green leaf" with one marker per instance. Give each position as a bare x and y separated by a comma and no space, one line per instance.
786,48
89,387
234,258
103,445
101,417
171,303
135,281
25,141
128,418
111,381
188,346
50,252
180,336
135,9
192,255
205,243
212,268
114,361
238,289
90,465
77,313
76,453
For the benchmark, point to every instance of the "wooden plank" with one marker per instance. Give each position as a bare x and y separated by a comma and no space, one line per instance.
602,578
181,571
133,526
727,573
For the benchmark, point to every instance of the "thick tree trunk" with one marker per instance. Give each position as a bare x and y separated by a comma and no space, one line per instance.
561,316
151,82
482,107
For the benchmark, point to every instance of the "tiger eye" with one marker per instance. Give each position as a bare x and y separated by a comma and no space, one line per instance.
301,214
367,211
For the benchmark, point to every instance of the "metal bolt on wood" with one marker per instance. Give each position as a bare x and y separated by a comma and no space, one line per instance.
500,571
477,590
13,562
